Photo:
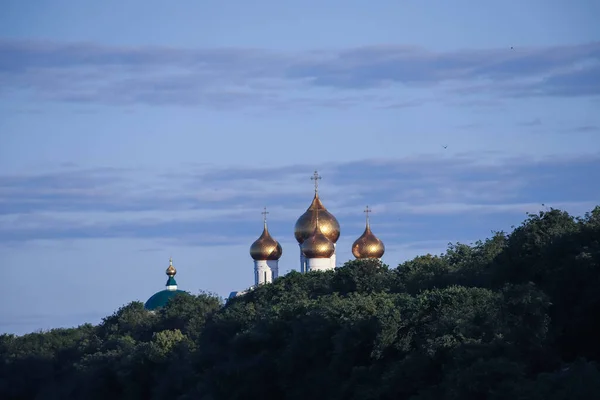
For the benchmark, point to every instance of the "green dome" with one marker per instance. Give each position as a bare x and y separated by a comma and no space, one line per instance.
161,298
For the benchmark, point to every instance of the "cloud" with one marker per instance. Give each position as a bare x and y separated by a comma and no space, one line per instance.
579,82
584,129
470,126
91,73
531,123
222,206
379,65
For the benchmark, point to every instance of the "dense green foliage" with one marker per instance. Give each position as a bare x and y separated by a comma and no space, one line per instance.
512,317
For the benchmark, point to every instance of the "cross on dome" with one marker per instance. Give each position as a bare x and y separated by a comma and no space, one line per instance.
367,211
316,178
264,214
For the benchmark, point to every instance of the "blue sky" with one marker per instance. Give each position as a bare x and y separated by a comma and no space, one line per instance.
134,131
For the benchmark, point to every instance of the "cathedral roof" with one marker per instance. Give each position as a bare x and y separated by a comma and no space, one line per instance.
161,298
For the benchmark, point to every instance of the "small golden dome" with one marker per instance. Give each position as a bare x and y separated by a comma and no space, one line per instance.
318,245
328,225
171,271
265,247
368,245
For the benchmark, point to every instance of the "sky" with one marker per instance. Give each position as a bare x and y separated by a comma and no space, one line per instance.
134,131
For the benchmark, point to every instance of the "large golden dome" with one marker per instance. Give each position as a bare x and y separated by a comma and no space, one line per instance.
318,245
305,226
368,245
265,247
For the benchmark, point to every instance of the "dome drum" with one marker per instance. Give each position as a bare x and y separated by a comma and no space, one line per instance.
318,264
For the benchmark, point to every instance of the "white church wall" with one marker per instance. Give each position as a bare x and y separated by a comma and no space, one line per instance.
319,264
262,272
274,266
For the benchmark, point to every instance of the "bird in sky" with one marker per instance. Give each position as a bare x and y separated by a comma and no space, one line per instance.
446,146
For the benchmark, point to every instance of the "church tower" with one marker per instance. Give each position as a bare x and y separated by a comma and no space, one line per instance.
161,298
317,222
368,245
266,252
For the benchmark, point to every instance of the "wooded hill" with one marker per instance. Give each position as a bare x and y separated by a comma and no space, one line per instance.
516,316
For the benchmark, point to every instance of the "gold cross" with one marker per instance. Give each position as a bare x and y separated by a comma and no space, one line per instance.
264,213
316,178
367,211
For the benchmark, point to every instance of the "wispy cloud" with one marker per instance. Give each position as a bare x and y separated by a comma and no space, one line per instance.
235,77
584,129
531,122
221,206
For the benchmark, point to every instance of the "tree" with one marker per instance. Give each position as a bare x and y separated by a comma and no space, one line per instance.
512,316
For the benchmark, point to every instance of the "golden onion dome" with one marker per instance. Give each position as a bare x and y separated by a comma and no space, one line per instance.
265,247
368,245
328,225
318,245
171,271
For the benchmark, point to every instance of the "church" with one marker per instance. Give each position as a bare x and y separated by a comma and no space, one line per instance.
316,231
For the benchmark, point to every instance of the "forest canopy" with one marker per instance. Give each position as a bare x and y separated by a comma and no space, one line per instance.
515,316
